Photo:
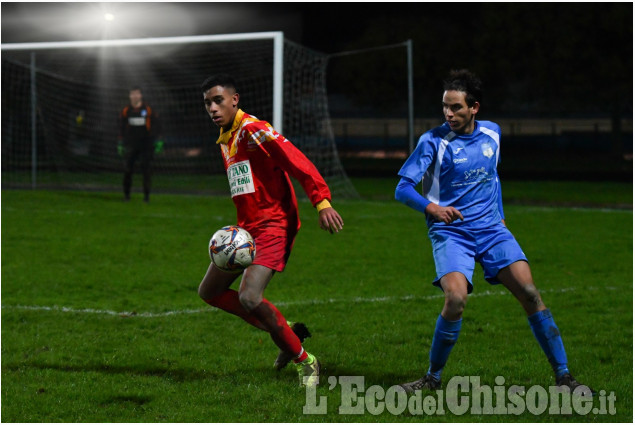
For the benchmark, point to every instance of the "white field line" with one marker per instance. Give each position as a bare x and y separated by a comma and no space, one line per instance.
581,209
355,300
527,208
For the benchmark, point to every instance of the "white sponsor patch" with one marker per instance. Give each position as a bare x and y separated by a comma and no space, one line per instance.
136,121
240,178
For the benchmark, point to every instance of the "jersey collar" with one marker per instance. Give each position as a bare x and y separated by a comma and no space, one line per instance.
226,135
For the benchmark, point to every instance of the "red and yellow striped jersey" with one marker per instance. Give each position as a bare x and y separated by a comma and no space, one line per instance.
259,161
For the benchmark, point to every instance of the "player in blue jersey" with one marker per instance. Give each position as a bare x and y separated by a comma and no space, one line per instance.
463,207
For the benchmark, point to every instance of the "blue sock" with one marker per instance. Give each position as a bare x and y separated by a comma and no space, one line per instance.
548,336
445,335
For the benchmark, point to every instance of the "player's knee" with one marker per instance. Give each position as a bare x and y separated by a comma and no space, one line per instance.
208,290
201,291
455,302
249,299
531,296
204,291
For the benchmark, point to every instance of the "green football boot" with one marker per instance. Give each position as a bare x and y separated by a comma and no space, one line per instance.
284,358
309,371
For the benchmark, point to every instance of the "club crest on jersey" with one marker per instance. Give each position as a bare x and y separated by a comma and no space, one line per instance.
144,112
487,150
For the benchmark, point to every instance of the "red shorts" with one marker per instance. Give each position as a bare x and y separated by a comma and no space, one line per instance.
273,251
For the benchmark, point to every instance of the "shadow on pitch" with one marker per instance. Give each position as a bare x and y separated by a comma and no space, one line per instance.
170,373
180,374
384,378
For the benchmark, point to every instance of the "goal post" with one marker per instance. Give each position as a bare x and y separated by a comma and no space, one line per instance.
409,75
276,36
78,87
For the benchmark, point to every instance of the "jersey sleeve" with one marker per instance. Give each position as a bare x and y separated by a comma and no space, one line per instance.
157,126
500,199
407,194
290,159
121,123
499,189
418,162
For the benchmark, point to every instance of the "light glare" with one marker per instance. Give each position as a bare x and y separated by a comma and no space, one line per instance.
109,17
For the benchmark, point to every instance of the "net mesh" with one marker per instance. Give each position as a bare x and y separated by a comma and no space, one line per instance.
80,92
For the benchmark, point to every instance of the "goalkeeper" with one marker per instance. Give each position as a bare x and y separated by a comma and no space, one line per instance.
259,161
139,138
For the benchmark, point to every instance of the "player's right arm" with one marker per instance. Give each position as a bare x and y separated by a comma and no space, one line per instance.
413,171
329,219
444,214
122,122
291,160
407,194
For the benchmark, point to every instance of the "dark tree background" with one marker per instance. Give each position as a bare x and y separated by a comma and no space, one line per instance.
536,59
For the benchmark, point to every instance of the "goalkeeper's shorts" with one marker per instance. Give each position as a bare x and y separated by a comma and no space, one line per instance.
273,251
457,249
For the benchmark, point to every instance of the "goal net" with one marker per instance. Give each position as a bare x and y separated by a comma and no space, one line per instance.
60,106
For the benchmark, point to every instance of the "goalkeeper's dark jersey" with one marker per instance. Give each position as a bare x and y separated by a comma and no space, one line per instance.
139,126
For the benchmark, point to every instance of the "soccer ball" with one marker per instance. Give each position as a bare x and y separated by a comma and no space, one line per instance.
232,249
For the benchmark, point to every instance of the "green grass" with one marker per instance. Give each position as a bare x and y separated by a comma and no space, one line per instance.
71,261
110,181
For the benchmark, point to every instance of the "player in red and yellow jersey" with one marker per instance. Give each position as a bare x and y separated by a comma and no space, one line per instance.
259,162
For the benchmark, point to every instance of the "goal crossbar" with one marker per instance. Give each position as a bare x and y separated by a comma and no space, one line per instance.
47,45
276,36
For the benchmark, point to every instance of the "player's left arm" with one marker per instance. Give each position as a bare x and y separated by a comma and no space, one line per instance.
121,150
499,188
157,132
329,219
290,159
500,200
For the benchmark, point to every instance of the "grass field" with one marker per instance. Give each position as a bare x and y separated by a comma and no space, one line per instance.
101,321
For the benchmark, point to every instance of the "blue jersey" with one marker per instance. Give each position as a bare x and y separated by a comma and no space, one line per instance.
459,170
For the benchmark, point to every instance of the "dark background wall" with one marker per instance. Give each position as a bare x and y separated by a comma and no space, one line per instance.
548,61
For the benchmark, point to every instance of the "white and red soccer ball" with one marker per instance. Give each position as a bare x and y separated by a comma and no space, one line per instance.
232,249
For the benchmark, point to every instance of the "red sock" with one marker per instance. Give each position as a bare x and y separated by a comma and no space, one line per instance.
278,328
302,357
229,302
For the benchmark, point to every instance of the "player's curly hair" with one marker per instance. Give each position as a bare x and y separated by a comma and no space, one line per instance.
224,80
465,81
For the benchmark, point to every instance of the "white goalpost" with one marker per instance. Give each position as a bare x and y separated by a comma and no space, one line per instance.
60,101
276,36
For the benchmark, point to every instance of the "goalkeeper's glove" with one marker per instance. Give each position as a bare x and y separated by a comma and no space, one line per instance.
158,146
120,149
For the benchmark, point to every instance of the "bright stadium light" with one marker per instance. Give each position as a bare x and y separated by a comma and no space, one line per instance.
109,17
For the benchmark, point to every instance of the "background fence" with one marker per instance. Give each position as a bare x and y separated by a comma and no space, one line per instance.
572,149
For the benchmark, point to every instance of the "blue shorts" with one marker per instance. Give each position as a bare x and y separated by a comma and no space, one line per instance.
457,249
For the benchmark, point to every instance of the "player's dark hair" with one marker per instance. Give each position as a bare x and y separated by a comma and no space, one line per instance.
223,80
135,87
465,81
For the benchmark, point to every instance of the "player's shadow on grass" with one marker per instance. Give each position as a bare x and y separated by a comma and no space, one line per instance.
173,373
384,378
